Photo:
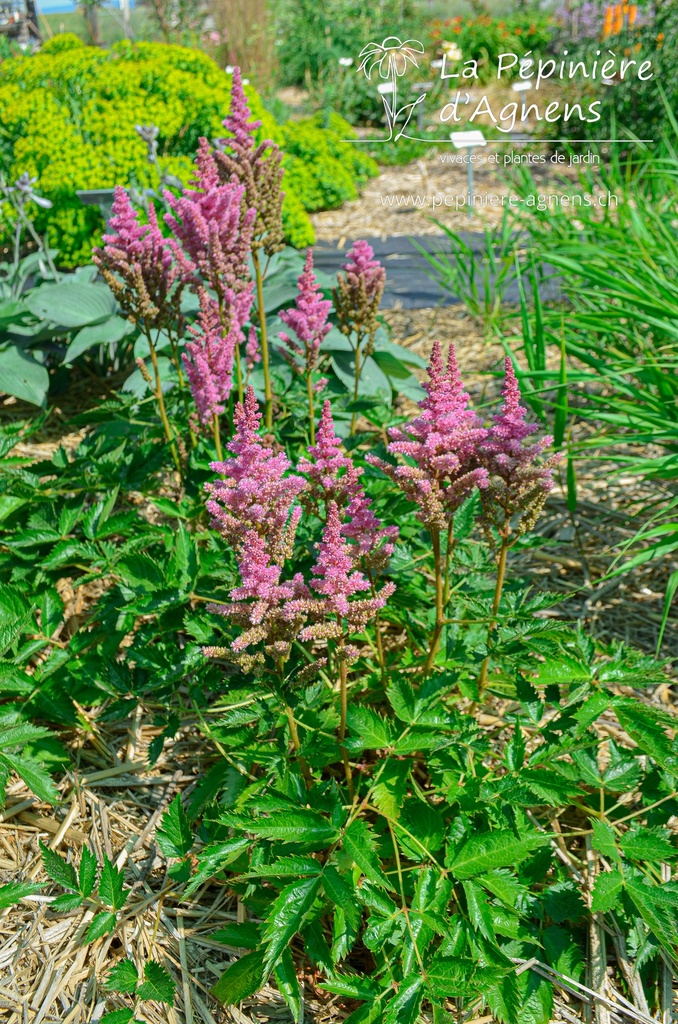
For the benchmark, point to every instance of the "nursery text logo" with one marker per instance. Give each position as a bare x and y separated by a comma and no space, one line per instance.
391,58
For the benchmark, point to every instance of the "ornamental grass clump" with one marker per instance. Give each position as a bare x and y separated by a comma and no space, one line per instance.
308,320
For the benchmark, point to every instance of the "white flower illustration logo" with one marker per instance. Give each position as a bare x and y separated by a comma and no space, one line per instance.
392,57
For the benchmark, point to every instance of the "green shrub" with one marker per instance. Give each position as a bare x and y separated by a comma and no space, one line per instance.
62,42
69,113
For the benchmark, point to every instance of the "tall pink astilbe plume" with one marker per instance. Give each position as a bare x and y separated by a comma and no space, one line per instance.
334,573
359,290
254,492
257,167
261,604
327,470
139,265
337,579
443,442
519,479
208,360
215,234
332,476
308,321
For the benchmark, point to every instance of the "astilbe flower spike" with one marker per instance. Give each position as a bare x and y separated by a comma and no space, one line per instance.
258,170
208,360
257,167
143,271
443,443
519,479
333,476
254,493
252,353
356,302
309,322
139,265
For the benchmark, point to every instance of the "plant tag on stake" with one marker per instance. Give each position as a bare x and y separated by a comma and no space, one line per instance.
468,140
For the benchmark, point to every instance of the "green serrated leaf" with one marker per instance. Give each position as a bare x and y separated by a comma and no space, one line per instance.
174,837
494,850
288,984
13,892
87,872
360,845
603,839
121,1016
404,1008
240,935
607,891
57,868
286,917
33,774
101,925
123,977
69,901
157,984
241,979
111,886
648,844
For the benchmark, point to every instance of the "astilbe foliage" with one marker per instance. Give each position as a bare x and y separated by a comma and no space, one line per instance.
140,266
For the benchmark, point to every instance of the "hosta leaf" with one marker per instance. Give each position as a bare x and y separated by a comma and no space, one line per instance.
648,844
174,837
241,979
607,891
286,917
157,983
15,891
123,977
57,868
360,845
494,850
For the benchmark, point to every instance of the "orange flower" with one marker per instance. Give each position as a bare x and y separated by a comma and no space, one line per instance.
607,25
633,14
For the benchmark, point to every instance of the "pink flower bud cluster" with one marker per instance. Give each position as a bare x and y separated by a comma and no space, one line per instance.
252,351
358,292
140,266
254,493
333,477
519,480
258,168
443,442
208,360
308,321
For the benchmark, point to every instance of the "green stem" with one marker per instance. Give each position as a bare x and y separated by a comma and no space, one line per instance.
440,601
499,586
358,370
217,437
161,402
343,695
311,411
377,634
263,340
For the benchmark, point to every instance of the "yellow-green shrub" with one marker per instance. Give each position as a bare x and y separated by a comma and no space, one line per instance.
69,113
